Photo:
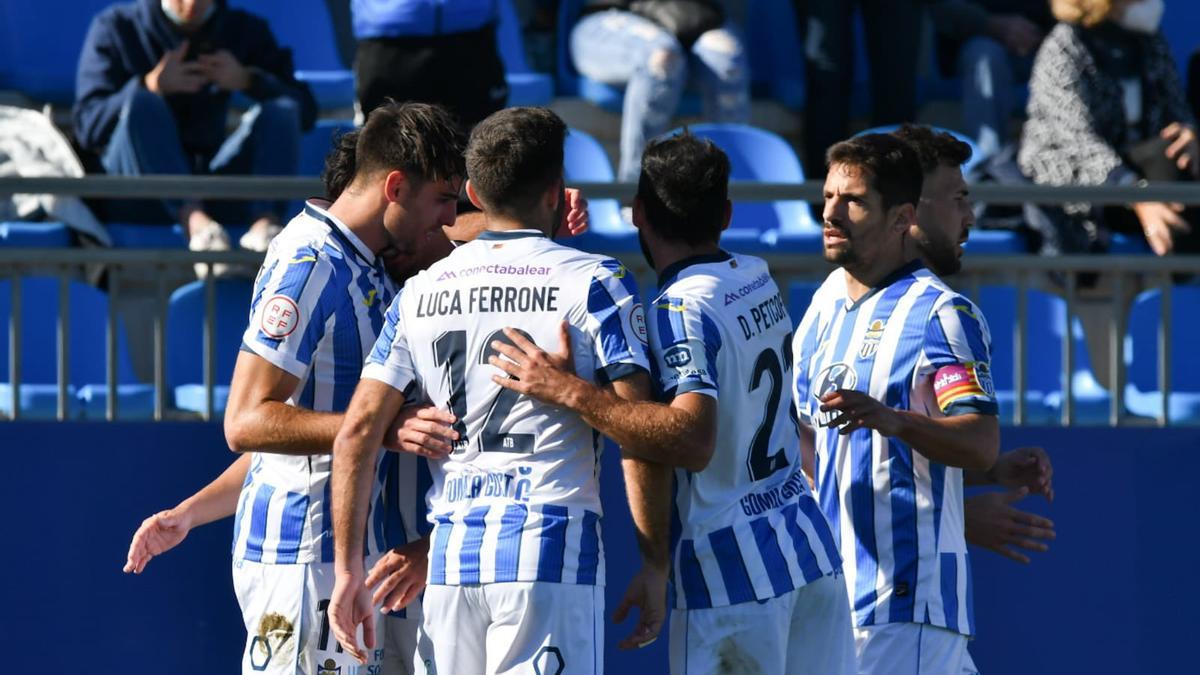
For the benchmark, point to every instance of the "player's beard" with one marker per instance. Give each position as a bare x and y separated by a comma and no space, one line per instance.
645,250
940,256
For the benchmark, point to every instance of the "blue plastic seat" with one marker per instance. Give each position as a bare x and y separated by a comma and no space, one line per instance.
19,234
185,341
87,354
40,45
525,86
317,143
1143,391
584,160
773,45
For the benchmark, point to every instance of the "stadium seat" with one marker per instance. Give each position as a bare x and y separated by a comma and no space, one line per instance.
775,51
185,341
1143,391
40,45
525,86
87,354
584,160
317,143
34,235
976,155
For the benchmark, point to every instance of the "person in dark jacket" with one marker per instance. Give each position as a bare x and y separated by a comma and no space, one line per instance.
153,92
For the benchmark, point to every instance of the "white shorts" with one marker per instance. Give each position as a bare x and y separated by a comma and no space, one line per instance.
512,628
287,630
400,640
804,631
912,649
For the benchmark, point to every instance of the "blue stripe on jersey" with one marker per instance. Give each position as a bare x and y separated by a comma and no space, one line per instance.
468,556
295,278
508,545
327,521
441,540
613,345
801,545
772,556
394,531
937,483
970,627
258,522
589,549
291,528
424,482
553,543
670,321
808,347
695,589
261,285
347,353
712,345
621,274
383,344
972,328
825,535
378,516
733,568
237,519
950,590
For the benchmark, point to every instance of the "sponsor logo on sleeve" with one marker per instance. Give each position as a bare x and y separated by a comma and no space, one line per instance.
280,317
677,356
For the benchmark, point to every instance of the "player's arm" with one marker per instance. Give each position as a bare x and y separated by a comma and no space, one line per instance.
1027,467
166,529
808,452
992,522
258,419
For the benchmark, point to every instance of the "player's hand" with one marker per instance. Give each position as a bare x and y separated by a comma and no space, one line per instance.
534,372
224,70
173,75
1184,149
399,576
422,430
1025,467
349,607
648,592
992,522
859,411
575,215
158,534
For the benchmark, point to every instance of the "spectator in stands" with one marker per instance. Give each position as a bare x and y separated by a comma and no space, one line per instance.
993,43
650,46
892,36
1106,108
152,97
432,51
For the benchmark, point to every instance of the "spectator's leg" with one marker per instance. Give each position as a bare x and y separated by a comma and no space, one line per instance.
146,141
471,99
829,64
397,68
619,47
987,82
724,75
892,29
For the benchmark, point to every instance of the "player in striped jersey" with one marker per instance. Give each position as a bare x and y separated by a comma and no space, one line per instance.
756,570
892,371
515,508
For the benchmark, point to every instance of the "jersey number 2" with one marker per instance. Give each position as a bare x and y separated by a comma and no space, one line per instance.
761,462
450,352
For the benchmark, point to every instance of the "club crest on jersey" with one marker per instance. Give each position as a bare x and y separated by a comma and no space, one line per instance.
871,338
280,317
637,322
677,356
330,667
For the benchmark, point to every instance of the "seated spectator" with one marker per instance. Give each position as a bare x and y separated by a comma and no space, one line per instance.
1106,108
990,44
649,47
152,96
432,51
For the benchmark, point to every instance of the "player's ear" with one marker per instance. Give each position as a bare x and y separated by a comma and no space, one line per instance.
474,196
639,213
903,216
395,186
728,215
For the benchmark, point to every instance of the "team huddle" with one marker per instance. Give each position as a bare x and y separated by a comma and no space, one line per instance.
420,424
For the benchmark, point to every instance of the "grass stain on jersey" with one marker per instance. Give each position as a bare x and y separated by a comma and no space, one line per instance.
276,626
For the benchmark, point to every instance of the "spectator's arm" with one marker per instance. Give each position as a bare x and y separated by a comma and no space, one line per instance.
273,74
958,19
102,85
1170,88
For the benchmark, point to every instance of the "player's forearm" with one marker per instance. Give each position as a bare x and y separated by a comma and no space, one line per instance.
808,452
219,498
272,426
645,430
978,477
964,441
648,486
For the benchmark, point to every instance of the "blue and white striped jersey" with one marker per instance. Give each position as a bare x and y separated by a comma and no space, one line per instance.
518,499
317,308
914,344
747,527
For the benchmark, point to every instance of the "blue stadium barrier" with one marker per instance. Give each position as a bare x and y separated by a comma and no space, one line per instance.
1143,394
775,50
87,354
185,341
525,86
161,235
34,235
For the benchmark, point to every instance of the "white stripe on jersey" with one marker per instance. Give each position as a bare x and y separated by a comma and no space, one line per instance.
898,517
518,500
749,528
316,310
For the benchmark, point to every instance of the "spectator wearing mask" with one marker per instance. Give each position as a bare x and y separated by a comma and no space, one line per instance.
651,47
1106,108
153,92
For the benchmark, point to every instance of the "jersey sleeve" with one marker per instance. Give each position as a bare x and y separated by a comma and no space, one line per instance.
616,322
804,346
294,296
957,356
686,344
390,360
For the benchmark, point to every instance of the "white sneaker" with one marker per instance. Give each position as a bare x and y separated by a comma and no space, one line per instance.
211,237
257,238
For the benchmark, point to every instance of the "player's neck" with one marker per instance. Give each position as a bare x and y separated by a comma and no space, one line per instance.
363,217
498,223
860,280
666,254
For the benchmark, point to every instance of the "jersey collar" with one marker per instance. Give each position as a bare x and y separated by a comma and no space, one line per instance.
901,272
314,210
506,235
671,271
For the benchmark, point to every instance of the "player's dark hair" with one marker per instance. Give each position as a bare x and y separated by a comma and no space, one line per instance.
339,165
422,140
683,188
892,166
934,148
513,157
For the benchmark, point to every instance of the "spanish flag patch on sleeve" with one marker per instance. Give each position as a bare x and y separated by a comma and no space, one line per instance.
963,381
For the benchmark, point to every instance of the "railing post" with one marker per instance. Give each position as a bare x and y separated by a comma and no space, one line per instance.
1068,402
1164,352
160,377
110,412
64,329
1020,329
14,344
